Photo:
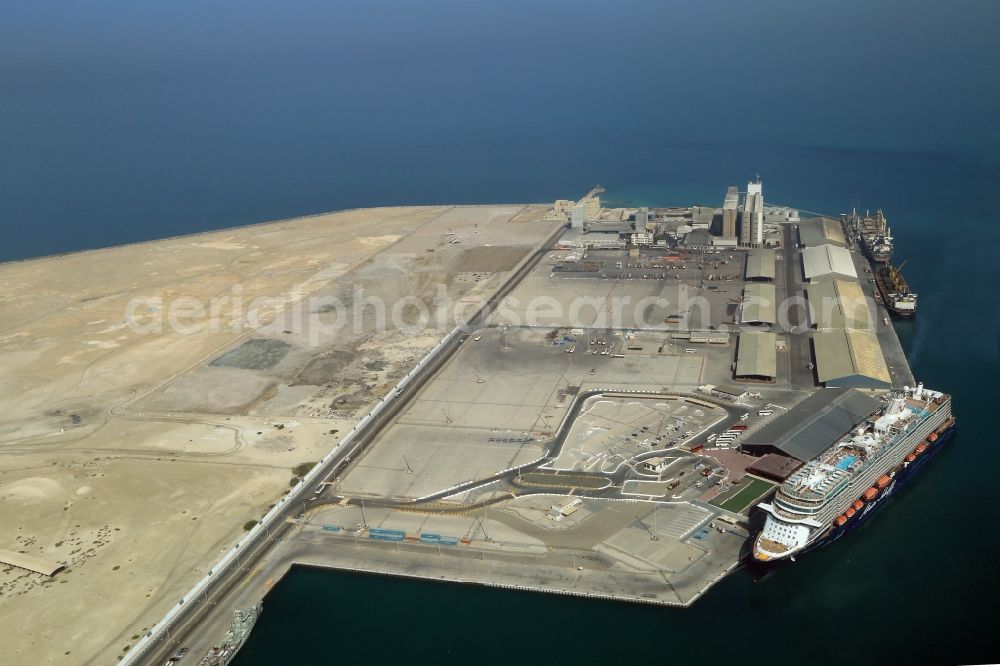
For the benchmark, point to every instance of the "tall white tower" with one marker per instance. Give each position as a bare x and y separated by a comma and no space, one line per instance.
752,231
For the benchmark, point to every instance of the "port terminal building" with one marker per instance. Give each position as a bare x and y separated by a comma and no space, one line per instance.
774,466
810,427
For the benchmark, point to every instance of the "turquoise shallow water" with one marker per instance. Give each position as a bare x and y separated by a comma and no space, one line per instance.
130,121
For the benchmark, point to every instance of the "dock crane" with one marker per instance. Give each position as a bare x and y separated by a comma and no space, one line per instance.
896,278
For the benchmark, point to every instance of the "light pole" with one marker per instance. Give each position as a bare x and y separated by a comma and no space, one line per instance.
482,523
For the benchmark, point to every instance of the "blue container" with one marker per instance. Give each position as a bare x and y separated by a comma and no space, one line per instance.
379,534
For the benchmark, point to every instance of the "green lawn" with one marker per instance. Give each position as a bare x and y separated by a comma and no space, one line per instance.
750,489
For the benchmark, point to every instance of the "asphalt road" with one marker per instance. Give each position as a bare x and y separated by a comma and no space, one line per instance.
799,352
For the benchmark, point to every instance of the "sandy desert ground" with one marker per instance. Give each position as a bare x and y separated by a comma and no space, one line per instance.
134,453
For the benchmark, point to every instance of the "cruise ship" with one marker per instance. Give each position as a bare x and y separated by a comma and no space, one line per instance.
839,489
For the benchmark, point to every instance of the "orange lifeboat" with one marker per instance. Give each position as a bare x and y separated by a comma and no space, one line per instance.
850,511
840,520
933,437
883,481
870,494
910,457
858,504
921,447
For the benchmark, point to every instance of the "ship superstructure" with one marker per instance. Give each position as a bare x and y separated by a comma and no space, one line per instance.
834,492
873,234
895,292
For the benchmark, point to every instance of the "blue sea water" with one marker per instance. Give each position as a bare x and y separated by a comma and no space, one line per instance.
125,121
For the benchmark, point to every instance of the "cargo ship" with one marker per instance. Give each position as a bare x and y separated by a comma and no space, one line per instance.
839,489
243,622
873,234
896,294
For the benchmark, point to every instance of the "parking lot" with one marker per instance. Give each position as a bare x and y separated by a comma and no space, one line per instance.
610,431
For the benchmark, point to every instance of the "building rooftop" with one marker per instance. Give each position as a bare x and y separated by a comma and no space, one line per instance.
812,426
698,238
820,231
760,264
821,261
838,304
850,357
608,226
757,355
732,199
759,304
774,466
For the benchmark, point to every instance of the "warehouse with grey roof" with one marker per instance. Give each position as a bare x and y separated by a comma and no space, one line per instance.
827,261
849,357
838,304
821,231
759,304
756,357
760,265
813,425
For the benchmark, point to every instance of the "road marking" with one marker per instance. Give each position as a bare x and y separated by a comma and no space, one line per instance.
247,579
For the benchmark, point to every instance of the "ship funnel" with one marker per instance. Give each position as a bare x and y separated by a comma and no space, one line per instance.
897,405
917,394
